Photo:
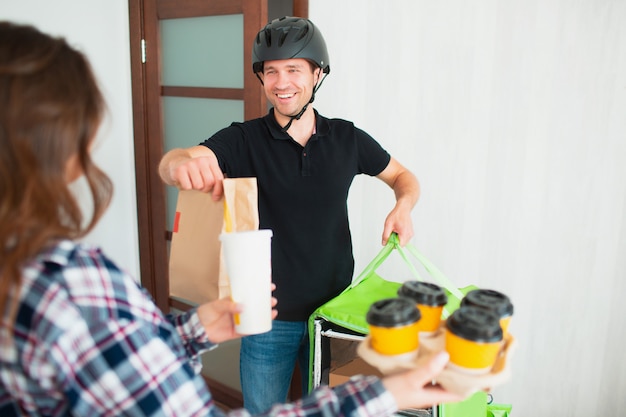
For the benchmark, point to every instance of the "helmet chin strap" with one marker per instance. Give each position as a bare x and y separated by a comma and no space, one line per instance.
301,112
299,115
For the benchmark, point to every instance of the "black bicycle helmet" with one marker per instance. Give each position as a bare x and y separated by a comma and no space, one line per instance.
287,38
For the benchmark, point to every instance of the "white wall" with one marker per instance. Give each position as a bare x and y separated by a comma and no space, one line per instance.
513,116
99,28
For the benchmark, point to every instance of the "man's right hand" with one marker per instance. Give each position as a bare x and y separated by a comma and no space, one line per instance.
194,168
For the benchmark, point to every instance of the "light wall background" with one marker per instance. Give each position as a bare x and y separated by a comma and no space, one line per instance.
99,28
511,114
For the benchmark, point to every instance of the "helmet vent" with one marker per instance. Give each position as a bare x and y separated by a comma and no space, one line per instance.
283,36
268,37
302,33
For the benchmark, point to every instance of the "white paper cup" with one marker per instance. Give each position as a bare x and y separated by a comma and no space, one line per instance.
248,258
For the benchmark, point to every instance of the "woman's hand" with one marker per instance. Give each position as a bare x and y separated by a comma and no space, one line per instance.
217,317
414,388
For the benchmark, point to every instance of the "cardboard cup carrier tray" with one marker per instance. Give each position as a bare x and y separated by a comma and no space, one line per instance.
451,378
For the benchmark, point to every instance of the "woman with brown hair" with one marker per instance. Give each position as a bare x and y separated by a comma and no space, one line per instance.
78,336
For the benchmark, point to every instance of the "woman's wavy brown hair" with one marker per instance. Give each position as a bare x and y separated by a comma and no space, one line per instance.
50,111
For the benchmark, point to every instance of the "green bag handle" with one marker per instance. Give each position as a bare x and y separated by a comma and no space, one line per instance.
394,243
432,269
377,261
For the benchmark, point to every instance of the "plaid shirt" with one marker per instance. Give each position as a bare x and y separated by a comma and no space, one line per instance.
88,341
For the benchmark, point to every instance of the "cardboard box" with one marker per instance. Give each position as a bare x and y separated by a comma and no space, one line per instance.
355,367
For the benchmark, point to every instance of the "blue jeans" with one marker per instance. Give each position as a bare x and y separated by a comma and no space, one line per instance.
267,361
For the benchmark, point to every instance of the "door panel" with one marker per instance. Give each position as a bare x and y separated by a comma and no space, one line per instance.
205,51
185,124
213,56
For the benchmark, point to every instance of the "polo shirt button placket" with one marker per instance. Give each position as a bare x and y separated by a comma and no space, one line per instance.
305,164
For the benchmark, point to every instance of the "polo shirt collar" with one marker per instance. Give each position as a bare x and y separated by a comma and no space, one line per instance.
322,127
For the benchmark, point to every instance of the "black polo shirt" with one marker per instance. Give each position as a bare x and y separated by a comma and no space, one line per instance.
303,195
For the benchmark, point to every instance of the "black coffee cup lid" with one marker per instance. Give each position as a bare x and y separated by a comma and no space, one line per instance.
425,293
392,312
490,300
475,324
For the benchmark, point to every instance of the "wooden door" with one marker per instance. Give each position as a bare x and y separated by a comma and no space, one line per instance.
191,75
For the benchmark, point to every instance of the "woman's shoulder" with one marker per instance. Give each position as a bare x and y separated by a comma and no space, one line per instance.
80,277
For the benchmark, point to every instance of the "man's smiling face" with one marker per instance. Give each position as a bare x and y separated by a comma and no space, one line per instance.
288,85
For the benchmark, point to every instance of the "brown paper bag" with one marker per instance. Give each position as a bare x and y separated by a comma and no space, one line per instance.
196,266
